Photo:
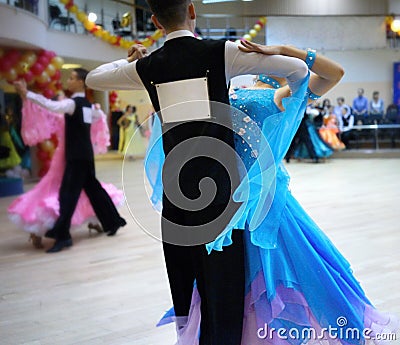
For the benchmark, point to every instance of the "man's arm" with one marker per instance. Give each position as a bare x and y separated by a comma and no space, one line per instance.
66,106
118,75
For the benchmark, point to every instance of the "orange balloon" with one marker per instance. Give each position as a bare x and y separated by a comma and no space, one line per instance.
11,75
57,62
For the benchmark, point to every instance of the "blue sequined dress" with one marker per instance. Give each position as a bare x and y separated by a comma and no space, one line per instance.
299,288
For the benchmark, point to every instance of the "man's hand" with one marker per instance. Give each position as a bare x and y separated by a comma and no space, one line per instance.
136,52
20,87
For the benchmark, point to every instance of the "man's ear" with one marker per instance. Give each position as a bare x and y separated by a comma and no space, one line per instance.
156,22
192,11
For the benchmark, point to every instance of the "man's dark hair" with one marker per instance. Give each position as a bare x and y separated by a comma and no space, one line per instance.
81,73
169,12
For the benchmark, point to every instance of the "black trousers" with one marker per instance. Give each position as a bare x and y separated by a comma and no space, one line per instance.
220,282
80,175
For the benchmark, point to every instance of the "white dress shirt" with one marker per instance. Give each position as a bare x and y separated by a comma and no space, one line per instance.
65,106
122,75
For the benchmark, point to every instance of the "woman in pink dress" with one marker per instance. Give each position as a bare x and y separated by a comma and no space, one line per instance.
37,210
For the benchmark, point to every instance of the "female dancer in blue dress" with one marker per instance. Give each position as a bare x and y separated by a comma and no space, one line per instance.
299,288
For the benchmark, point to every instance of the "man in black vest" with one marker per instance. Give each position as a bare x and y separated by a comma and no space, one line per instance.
219,275
79,173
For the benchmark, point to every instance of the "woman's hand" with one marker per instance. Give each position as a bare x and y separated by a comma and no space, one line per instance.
136,52
251,47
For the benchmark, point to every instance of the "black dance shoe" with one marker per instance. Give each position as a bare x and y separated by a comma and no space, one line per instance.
59,246
51,234
114,229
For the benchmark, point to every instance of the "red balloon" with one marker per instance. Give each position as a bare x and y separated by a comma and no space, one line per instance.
43,60
13,56
48,93
5,64
56,75
28,76
49,54
37,68
42,155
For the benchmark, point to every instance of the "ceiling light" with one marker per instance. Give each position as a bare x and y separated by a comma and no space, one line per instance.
92,17
71,65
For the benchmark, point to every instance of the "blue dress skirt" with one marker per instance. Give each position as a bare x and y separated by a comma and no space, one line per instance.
299,288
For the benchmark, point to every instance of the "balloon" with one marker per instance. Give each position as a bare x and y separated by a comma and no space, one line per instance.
57,74
37,68
43,78
73,9
105,35
253,33
47,145
5,64
48,93
21,67
57,62
88,25
81,16
28,76
13,56
50,70
11,75
257,27
98,32
263,20
49,54
247,37
42,155
64,1
29,57
43,60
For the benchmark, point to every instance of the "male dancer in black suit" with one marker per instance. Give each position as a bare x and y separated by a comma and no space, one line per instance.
79,173
219,275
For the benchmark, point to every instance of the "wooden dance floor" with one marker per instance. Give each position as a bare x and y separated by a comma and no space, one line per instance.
113,290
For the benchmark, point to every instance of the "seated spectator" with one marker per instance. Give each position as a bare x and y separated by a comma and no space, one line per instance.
337,110
376,106
360,104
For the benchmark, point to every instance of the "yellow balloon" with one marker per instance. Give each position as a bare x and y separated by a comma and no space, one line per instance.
21,67
88,25
64,1
43,78
81,16
73,9
47,146
247,37
105,35
113,39
158,34
30,58
146,42
263,20
253,33
257,27
50,70
98,32
57,62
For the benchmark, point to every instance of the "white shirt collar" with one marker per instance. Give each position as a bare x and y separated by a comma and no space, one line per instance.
179,33
78,94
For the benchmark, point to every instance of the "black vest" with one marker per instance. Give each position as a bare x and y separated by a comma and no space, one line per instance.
187,58
78,145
